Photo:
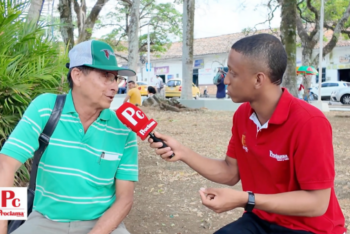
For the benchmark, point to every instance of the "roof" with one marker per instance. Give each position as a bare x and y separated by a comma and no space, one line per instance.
222,44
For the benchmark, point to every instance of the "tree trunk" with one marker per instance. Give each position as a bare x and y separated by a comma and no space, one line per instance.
34,11
88,26
306,56
66,27
133,37
80,11
187,48
288,34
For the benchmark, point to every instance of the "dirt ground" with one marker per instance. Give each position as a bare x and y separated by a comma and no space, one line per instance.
166,196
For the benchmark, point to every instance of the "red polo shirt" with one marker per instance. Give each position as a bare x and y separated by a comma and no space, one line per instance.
294,152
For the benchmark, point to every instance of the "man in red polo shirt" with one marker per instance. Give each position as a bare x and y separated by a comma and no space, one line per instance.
281,150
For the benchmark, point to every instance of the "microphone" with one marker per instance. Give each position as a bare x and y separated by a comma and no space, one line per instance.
137,121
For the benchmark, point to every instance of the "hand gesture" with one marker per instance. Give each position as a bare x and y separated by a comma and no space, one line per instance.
173,147
223,199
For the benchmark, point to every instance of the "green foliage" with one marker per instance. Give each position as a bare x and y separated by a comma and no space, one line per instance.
165,25
30,64
333,11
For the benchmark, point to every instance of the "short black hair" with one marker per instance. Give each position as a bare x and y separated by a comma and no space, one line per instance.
151,89
268,49
131,81
84,69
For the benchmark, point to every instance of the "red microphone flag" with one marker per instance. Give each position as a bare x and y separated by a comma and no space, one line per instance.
136,120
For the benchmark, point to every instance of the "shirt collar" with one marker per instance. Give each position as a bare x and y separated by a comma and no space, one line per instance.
69,108
281,113
69,104
255,119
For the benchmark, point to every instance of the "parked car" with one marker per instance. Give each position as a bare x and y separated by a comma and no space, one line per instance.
341,95
142,86
327,88
174,86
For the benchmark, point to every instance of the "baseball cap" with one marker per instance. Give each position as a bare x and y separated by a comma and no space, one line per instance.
96,54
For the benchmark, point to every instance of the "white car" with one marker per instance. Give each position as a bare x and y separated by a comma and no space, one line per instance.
328,87
341,95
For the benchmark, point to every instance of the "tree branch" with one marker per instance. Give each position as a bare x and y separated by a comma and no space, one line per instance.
121,56
301,13
90,21
317,20
302,32
269,17
119,39
143,9
144,16
95,11
128,2
143,25
103,25
333,28
77,12
336,33
142,46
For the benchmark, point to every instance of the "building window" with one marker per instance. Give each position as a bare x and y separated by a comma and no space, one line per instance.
323,75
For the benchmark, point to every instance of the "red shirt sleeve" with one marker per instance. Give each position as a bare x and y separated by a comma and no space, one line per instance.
314,156
233,141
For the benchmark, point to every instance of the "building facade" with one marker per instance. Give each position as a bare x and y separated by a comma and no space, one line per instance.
212,52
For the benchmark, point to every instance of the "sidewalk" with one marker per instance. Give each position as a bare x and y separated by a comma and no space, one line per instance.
214,104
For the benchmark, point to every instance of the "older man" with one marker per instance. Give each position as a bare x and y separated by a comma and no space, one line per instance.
85,180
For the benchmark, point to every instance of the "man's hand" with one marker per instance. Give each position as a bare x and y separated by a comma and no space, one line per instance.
223,199
111,219
175,147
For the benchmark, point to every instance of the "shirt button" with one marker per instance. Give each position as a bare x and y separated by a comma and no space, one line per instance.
80,130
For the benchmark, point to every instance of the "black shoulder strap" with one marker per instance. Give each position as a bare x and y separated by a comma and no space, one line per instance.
45,137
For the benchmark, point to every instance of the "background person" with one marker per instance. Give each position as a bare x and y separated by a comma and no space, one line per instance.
122,85
159,85
151,91
221,90
133,95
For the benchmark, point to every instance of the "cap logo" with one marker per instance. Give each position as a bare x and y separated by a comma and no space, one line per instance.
108,53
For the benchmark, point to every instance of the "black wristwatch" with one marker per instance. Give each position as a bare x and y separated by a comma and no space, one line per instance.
251,202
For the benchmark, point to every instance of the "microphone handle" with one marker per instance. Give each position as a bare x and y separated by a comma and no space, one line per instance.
156,139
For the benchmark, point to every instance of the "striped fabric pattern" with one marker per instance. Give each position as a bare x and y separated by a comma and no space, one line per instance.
77,173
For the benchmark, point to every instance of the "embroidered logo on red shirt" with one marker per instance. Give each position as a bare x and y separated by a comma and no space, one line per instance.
279,157
244,143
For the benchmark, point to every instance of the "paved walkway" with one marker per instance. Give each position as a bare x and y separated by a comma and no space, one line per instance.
215,104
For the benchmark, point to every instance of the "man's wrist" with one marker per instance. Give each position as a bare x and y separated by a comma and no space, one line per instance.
250,203
187,152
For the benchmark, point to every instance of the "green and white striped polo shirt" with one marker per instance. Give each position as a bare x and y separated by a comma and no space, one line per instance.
74,182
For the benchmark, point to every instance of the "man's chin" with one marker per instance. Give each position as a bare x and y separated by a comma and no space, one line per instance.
106,105
237,99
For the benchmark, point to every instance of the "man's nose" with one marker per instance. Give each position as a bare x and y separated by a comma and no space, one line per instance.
114,85
226,80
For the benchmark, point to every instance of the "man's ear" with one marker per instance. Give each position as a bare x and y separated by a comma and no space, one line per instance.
77,76
260,80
